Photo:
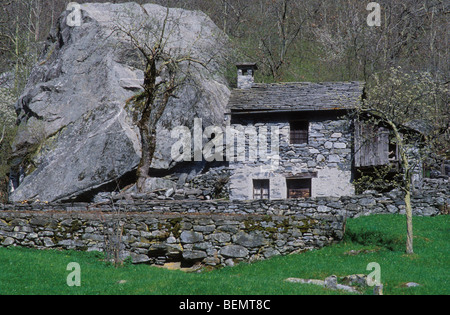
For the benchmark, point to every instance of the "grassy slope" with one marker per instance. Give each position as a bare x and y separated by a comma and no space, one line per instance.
24,271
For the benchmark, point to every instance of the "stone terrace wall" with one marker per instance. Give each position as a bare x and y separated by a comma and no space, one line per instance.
188,231
214,233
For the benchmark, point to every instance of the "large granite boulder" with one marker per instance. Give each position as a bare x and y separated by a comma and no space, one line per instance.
76,133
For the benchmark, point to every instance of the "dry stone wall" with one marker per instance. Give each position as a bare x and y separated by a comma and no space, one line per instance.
215,233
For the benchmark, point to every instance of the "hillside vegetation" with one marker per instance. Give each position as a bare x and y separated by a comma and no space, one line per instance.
290,40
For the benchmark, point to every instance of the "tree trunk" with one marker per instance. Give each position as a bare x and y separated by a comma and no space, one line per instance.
145,130
407,189
148,142
409,224
145,162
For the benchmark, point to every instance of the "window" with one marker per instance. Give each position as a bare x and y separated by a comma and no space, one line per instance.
261,189
372,147
298,188
299,132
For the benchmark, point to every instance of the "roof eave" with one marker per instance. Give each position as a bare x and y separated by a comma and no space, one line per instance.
264,111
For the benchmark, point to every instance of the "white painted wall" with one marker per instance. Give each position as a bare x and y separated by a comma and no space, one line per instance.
330,182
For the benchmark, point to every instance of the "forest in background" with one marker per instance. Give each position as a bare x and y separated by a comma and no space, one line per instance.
290,40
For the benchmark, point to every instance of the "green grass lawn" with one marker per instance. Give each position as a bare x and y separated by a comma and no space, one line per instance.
379,238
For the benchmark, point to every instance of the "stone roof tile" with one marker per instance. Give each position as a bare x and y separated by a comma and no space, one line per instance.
296,96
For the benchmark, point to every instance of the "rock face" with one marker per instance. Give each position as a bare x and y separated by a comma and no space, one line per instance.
76,134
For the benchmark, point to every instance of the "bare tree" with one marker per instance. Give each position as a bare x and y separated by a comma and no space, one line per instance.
278,27
113,235
165,71
414,106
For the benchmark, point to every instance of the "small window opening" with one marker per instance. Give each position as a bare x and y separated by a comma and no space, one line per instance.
298,188
299,132
261,189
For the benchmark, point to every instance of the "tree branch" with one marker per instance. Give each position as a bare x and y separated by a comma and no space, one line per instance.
3,133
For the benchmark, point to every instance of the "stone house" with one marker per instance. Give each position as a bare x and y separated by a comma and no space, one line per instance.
297,140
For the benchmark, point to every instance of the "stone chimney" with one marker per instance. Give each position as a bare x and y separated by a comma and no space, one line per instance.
245,77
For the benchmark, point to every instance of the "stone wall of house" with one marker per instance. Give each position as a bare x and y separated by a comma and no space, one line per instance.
215,233
327,156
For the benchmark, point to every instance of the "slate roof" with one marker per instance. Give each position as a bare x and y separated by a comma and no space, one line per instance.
301,96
